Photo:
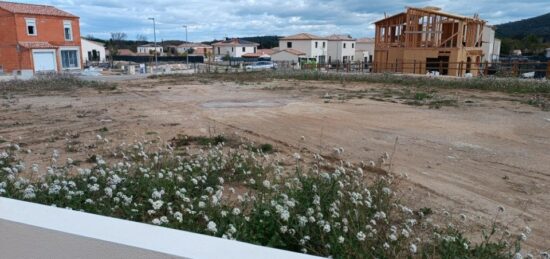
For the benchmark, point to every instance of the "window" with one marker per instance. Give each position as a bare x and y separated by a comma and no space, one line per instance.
353,45
289,45
344,45
232,49
31,26
324,44
68,29
316,44
244,49
69,59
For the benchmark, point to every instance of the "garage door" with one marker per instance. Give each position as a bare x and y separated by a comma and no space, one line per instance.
44,61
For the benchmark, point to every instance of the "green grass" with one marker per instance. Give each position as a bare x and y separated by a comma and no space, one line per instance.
184,140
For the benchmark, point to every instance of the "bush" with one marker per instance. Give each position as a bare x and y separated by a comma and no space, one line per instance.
53,82
330,212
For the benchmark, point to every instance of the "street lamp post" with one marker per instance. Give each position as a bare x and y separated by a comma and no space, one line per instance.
155,38
186,41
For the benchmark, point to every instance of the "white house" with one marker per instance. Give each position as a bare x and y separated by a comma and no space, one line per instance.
292,56
364,50
341,48
93,51
150,49
314,47
491,45
198,48
235,48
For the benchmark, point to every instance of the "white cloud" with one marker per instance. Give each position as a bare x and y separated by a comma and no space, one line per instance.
210,19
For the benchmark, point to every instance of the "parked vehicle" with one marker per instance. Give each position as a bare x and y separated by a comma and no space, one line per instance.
262,65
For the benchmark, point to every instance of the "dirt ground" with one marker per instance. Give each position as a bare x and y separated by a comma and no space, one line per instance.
485,150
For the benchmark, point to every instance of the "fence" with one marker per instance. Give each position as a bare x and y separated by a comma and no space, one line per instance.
150,59
526,69
530,69
523,69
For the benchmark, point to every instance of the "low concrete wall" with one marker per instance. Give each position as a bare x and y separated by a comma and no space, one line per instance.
79,228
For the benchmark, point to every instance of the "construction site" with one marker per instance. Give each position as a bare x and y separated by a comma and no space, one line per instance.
421,40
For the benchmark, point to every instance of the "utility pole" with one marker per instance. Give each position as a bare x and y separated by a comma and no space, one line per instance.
186,41
155,38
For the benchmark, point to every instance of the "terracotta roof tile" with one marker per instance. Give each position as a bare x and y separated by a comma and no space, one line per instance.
303,36
36,45
339,37
292,51
34,9
235,42
365,40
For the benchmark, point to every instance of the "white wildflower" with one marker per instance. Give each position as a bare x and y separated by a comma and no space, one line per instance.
412,248
236,211
361,236
212,227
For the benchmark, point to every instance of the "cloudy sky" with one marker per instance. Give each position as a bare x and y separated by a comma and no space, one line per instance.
215,19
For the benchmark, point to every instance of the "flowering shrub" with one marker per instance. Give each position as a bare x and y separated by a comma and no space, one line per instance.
317,208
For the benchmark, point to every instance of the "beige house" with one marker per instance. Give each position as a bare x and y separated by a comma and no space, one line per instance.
341,49
198,48
292,56
314,47
364,50
150,49
234,48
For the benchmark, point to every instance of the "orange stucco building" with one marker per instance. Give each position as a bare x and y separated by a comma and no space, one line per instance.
38,38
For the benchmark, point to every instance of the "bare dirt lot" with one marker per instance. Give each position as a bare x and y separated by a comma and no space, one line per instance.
467,153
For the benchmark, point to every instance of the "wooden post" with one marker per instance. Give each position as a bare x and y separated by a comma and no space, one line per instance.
548,70
414,66
515,69
486,68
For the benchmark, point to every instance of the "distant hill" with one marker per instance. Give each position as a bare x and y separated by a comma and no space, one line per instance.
538,26
266,42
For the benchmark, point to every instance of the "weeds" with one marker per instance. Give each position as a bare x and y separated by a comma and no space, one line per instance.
508,85
184,140
242,194
62,82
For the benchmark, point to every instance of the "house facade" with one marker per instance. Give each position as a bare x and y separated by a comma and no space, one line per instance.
38,39
93,51
341,49
314,47
491,45
291,56
427,40
364,50
196,49
234,48
260,53
149,49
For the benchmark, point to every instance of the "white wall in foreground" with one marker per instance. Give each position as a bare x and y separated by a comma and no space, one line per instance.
144,236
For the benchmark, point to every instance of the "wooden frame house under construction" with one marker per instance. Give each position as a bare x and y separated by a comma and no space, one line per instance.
424,40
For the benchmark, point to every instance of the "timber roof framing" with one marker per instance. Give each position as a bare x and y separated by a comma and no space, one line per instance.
428,28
